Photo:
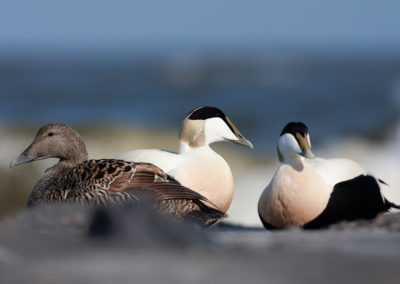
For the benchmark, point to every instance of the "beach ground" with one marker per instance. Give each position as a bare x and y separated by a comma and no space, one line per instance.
48,245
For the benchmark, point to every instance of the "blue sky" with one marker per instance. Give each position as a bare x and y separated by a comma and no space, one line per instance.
157,24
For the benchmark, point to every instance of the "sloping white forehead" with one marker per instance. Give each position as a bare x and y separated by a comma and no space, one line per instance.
216,129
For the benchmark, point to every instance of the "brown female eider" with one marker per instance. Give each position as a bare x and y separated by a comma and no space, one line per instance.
314,192
106,181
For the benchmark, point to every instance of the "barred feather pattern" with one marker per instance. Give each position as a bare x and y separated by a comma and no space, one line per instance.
109,181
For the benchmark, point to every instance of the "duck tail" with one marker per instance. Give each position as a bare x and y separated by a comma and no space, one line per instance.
391,204
395,206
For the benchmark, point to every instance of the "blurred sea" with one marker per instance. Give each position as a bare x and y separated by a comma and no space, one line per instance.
350,102
335,95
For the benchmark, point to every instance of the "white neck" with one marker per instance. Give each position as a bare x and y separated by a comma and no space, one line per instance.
295,161
185,147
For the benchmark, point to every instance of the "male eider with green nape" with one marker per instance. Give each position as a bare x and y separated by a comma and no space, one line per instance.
314,192
197,166
107,181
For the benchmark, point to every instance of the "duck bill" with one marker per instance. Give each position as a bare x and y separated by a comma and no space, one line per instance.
304,143
308,154
21,159
243,141
240,138
29,155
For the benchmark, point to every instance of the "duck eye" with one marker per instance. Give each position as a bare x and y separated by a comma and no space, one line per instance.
50,134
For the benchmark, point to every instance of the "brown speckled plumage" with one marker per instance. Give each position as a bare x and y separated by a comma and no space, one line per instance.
107,181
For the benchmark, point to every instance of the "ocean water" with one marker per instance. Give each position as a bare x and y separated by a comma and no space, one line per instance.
350,103
336,96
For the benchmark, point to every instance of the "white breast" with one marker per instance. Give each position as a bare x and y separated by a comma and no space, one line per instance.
200,169
207,173
293,197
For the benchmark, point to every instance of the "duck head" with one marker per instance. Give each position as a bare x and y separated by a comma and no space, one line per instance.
206,125
294,140
54,141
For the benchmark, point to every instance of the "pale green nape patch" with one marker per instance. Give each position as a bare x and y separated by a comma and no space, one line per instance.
303,142
193,132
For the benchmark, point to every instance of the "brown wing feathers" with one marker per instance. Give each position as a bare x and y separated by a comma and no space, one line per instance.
167,191
115,181
140,179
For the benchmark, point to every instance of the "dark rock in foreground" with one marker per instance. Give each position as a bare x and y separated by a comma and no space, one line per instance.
73,244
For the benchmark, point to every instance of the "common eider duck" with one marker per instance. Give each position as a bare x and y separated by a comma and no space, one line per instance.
106,181
197,166
314,192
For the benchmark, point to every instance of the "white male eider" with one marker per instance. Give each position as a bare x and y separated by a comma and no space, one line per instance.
106,181
315,192
196,165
